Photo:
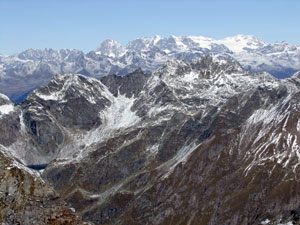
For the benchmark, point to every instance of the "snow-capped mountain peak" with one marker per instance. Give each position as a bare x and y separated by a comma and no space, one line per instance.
156,39
61,87
144,43
110,48
242,43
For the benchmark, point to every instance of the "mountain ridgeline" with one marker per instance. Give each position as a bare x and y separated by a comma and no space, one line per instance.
195,142
21,73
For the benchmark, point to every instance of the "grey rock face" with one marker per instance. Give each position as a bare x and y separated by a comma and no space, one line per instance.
68,103
10,121
129,85
44,131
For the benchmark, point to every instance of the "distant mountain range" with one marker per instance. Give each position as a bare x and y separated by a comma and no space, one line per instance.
21,73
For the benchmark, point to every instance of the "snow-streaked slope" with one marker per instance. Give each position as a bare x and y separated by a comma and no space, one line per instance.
74,99
199,125
191,88
116,118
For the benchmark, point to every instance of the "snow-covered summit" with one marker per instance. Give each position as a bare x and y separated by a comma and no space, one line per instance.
144,43
110,48
64,86
235,44
242,43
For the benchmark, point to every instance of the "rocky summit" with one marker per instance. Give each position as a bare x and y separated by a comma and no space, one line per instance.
194,142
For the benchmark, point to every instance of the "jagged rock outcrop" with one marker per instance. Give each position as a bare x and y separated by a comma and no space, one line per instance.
26,199
129,85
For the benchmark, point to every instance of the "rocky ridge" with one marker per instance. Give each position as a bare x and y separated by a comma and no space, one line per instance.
200,142
26,199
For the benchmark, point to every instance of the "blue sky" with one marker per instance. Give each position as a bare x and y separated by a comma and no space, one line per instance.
85,24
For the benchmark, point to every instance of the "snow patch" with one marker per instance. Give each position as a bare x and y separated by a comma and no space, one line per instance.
181,157
266,116
203,42
119,114
298,125
116,117
190,77
266,221
53,96
6,109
